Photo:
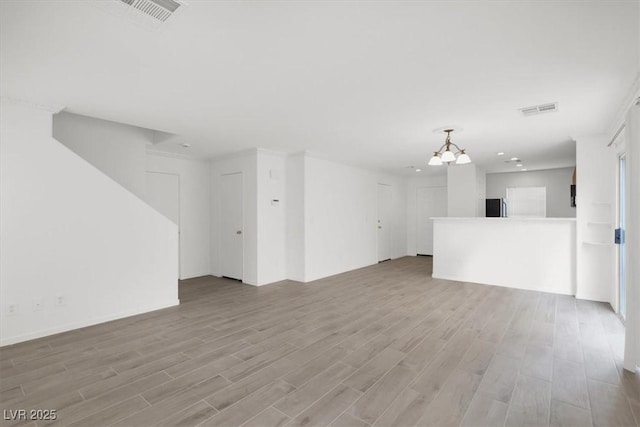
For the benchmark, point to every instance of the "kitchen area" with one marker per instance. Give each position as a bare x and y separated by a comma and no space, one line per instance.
509,229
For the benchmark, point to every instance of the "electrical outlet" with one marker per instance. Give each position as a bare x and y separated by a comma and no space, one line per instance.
38,304
12,309
60,300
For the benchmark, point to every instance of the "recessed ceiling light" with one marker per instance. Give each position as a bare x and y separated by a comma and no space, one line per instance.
513,159
519,165
418,170
186,145
500,153
523,170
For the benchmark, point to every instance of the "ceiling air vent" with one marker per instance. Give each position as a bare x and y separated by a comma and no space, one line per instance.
148,14
539,109
157,9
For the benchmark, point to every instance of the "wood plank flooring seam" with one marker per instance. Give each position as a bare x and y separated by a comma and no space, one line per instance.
311,403
353,416
489,364
278,409
426,367
459,331
351,319
510,407
79,421
172,377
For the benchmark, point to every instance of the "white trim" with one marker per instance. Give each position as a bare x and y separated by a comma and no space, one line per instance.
249,152
155,152
632,342
617,134
85,323
588,297
327,158
465,280
282,154
304,153
632,98
234,155
54,109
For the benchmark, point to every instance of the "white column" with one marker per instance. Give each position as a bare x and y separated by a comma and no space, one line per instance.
595,217
466,188
632,339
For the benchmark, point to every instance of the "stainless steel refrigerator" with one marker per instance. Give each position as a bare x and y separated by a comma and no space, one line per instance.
496,208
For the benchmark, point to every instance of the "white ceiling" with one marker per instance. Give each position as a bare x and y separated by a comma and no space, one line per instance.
361,82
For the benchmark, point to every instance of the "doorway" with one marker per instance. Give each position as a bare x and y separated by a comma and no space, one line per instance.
620,237
384,222
163,194
431,202
231,233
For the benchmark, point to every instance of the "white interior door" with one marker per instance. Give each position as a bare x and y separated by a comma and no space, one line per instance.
163,194
231,238
384,222
432,202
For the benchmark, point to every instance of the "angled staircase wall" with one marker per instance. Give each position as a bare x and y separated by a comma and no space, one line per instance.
76,248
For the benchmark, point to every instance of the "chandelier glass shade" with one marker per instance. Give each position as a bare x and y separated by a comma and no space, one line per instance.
448,155
435,160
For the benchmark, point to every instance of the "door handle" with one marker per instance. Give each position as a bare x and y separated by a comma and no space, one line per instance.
239,232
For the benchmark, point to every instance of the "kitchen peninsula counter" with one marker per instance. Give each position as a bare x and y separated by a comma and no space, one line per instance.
525,253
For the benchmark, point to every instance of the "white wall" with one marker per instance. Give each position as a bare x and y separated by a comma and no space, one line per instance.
412,208
122,152
595,218
195,209
465,191
116,149
272,232
340,209
323,224
481,192
295,209
246,163
68,230
557,182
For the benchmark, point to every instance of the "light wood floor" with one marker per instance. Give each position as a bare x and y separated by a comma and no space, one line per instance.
384,346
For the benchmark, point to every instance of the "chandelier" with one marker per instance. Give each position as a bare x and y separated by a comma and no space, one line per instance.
448,156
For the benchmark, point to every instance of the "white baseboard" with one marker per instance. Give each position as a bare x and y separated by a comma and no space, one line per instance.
526,288
591,298
82,324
